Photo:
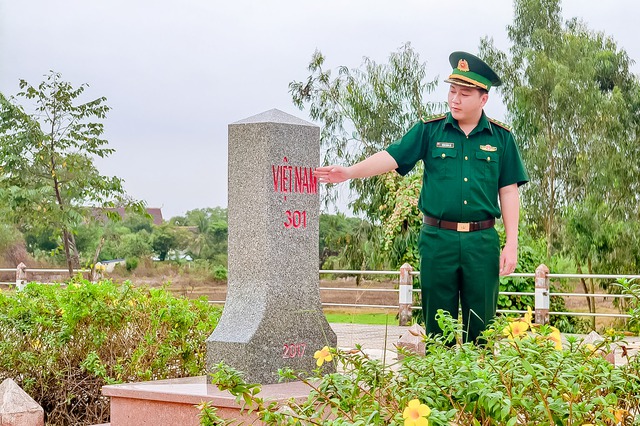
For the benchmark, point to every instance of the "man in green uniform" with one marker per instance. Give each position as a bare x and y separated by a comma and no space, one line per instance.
472,171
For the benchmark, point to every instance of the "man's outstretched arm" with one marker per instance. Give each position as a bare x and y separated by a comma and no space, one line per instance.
379,163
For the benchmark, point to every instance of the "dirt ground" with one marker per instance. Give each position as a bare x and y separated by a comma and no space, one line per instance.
356,294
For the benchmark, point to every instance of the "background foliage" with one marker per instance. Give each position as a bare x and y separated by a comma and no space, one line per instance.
573,102
575,109
48,180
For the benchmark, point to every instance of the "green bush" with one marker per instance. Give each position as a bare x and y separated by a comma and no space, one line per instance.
632,287
131,263
521,376
220,273
62,344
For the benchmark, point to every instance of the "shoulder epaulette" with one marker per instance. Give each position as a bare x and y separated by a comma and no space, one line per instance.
431,118
500,124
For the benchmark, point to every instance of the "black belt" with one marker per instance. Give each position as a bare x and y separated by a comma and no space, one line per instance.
460,226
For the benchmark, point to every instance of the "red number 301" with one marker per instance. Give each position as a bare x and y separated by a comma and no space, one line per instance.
295,219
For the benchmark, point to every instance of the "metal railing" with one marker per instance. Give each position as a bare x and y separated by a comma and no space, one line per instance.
22,273
542,293
405,290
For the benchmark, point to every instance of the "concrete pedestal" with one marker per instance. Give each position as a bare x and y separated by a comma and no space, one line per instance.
173,402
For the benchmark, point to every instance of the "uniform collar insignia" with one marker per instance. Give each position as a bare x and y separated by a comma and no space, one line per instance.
463,65
488,148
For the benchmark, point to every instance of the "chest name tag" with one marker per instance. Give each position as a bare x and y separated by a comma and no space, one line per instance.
445,145
488,148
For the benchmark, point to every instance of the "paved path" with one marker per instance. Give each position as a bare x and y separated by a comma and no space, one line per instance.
379,340
369,336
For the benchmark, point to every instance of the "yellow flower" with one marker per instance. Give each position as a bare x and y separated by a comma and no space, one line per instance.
618,414
322,355
591,349
528,316
556,338
416,414
515,329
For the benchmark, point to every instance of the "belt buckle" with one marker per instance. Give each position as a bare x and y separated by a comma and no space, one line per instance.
463,227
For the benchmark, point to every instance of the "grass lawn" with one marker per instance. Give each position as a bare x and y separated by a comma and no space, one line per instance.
362,318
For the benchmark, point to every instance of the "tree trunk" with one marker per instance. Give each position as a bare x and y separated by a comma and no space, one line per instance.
75,256
552,191
92,276
585,287
67,252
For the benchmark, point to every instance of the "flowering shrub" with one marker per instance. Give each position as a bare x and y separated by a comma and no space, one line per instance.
521,375
524,328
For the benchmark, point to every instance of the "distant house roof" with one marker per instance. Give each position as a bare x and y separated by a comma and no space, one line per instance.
155,212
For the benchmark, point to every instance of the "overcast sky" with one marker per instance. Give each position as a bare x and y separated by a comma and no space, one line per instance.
176,73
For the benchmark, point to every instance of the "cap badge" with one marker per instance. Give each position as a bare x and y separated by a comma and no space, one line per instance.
463,65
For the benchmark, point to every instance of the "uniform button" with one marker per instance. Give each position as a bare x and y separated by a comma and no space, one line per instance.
465,179
466,158
443,155
465,201
488,158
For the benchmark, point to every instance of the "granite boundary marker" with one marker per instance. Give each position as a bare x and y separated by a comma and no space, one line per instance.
273,316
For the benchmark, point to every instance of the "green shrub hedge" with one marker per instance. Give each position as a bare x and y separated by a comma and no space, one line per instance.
62,344
522,375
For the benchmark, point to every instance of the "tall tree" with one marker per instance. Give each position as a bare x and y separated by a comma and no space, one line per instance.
209,230
362,111
168,238
48,177
572,101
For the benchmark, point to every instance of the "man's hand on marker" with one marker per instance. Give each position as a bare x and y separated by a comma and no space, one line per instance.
332,174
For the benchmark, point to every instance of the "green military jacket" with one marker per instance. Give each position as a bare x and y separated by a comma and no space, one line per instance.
462,174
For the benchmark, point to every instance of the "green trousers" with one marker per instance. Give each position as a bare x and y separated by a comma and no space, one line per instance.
459,270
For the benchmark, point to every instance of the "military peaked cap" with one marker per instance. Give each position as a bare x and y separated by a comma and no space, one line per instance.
471,71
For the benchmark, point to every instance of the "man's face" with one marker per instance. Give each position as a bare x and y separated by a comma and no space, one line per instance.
466,103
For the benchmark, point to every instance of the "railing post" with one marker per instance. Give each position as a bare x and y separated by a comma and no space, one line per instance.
21,276
406,294
542,295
